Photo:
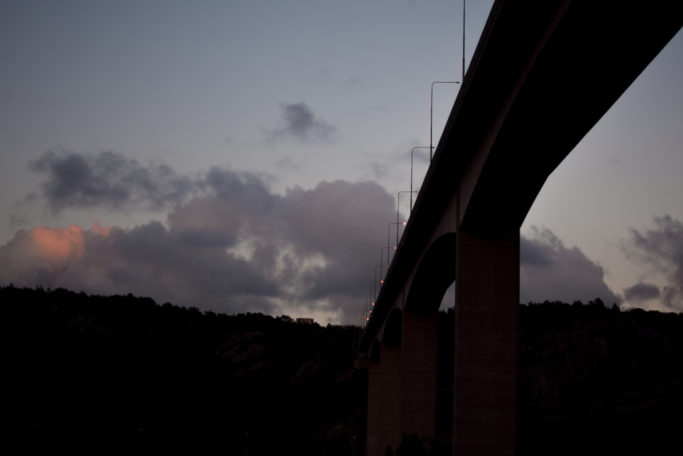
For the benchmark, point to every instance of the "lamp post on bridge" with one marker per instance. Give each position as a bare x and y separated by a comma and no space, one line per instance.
412,152
377,281
381,255
371,299
368,309
389,238
464,2
398,209
431,113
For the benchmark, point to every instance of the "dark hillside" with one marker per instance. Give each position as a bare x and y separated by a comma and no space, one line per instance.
592,381
595,380
122,375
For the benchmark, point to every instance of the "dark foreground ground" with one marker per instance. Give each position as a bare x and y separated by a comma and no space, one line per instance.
88,375
600,381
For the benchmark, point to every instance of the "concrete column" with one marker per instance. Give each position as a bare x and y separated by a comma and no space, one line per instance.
384,405
486,307
418,375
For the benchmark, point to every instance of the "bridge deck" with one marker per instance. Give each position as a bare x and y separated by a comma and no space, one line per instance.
543,73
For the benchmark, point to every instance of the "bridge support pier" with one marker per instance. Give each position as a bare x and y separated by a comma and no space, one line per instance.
418,374
486,307
384,408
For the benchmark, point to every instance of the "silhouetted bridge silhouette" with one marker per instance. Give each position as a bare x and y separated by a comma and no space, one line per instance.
544,72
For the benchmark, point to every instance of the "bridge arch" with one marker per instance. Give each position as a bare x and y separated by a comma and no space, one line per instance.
393,329
434,274
373,355
420,396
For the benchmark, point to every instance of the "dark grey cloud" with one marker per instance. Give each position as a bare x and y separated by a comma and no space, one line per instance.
661,248
109,179
318,243
234,246
299,121
286,163
154,259
231,244
347,224
551,271
149,260
641,292
378,169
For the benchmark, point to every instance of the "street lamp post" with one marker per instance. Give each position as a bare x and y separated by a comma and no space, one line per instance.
377,281
368,309
398,209
389,238
463,39
431,113
381,255
412,151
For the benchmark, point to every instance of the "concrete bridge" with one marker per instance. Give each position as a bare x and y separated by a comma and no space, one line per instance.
544,72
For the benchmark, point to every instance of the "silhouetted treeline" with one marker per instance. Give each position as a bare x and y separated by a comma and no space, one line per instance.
596,380
593,380
122,375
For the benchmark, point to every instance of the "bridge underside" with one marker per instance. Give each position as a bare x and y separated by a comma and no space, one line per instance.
544,72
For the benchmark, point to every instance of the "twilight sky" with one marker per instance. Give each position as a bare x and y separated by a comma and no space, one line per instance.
246,155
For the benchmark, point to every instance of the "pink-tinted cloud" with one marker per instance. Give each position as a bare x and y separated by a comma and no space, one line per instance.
41,255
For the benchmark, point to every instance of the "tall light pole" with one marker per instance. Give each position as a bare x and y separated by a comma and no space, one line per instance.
389,235
398,209
377,281
369,308
381,255
464,2
431,113
412,151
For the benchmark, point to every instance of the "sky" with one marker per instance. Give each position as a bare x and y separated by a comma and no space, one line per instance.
246,156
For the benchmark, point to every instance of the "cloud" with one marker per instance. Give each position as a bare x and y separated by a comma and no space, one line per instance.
287,164
35,256
230,244
641,292
346,224
111,180
234,247
551,271
298,121
108,179
318,244
661,248
381,166
148,260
